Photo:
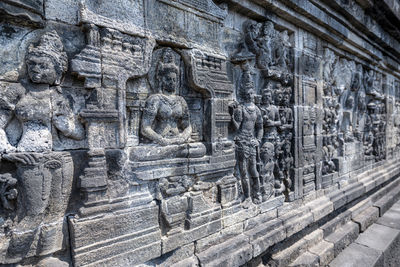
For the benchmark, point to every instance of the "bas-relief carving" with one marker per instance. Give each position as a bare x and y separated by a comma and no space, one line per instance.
39,178
29,12
354,111
166,119
271,49
264,124
173,149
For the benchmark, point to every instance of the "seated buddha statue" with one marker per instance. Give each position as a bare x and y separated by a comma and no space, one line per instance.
165,121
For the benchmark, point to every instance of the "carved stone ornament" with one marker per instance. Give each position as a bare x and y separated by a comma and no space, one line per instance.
198,132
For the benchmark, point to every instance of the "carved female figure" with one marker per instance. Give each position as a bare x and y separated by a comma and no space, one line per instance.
282,52
46,64
267,45
267,178
49,175
270,114
165,120
247,120
286,114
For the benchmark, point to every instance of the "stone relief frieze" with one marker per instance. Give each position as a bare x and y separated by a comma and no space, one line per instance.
166,120
271,49
155,136
354,115
263,118
38,188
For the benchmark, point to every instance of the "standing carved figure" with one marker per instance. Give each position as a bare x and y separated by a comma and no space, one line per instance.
41,110
42,106
247,120
327,71
371,86
286,113
266,42
267,177
270,114
282,51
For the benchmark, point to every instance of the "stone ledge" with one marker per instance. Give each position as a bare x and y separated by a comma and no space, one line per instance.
340,230
377,246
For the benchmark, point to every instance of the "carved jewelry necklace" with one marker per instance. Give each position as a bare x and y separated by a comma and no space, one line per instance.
170,102
249,109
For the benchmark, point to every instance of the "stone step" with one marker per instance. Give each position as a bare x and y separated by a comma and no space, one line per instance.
383,191
335,223
392,217
357,255
319,251
292,253
324,250
288,255
241,256
343,236
265,235
377,246
305,259
360,207
221,255
377,177
388,200
366,218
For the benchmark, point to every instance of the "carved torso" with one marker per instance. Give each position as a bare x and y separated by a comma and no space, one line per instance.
34,106
271,120
168,112
34,112
251,118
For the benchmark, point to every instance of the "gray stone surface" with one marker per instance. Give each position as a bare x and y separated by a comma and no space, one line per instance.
325,252
197,132
384,239
358,255
343,237
391,218
366,218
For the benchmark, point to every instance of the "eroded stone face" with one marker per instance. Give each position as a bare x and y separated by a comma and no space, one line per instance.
182,132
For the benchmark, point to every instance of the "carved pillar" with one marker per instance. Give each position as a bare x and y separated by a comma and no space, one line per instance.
87,64
93,182
106,63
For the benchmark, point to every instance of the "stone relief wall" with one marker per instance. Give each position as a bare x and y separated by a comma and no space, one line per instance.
151,136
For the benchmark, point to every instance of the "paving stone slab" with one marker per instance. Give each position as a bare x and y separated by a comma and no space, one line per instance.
357,255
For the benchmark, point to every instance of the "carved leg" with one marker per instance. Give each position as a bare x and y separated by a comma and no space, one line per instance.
243,175
255,179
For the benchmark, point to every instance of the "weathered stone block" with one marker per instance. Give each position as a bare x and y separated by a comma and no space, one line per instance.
384,239
358,255
343,236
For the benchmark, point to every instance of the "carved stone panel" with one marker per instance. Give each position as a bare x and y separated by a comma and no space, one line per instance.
193,132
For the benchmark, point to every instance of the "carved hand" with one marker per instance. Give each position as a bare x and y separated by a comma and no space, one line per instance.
25,158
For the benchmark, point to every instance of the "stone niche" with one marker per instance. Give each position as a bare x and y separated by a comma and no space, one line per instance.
193,132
